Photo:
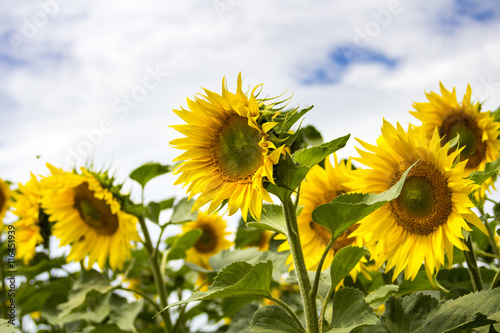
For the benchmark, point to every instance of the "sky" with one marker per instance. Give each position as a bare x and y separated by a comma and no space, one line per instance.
97,80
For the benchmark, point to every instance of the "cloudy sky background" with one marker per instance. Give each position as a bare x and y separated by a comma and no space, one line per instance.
81,79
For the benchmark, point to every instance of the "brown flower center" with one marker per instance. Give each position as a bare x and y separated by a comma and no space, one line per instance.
96,213
207,241
235,150
425,200
470,138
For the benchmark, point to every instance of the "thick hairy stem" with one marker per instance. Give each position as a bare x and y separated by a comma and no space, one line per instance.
300,266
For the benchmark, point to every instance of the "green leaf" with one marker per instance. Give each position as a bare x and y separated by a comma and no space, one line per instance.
344,261
381,293
311,136
167,203
153,212
103,329
148,171
350,311
313,155
5,327
273,319
122,313
407,314
490,169
241,320
421,282
237,279
345,210
272,218
40,264
182,211
35,296
288,177
421,313
252,256
87,282
182,243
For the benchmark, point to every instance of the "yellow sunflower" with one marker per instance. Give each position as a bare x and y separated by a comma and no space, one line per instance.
212,240
428,217
227,152
5,201
33,224
89,218
321,186
262,242
478,131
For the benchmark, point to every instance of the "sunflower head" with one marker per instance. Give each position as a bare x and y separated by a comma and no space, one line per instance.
478,133
231,142
212,240
32,227
427,219
88,217
5,200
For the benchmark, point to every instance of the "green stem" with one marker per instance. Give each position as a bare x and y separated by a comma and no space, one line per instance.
300,266
496,280
158,276
470,258
487,254
314,290
323,307
285,307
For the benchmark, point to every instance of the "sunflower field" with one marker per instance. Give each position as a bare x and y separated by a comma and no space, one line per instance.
404,237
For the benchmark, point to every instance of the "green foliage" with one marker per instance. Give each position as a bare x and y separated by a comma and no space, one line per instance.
272,219
345,210
288,177
491,169
41,263
273,319
182,211
148,171
350,311
237,279
5,327
344,261
183,243
423,313
313,155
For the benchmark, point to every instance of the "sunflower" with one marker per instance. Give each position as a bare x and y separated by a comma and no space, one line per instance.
212,240
428,217
89,217
321,186
227,152
478,133
262,241
4,199
32,228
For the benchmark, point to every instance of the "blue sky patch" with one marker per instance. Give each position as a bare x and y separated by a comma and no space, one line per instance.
340,59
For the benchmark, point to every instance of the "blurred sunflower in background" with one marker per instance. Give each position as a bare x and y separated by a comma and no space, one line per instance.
321,186
89,217
227,152
212,240
478,132
428,217
33,227
5,200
